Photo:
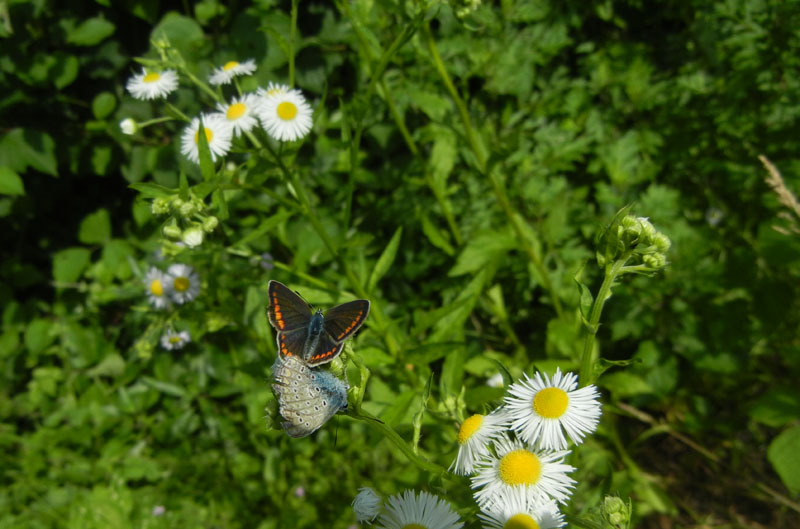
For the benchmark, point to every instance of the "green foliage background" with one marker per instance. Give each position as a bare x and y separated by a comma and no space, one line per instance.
578,108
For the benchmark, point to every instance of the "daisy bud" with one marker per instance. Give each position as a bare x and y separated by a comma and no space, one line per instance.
128,126
160,207
367,504
210,224
172,230
193,236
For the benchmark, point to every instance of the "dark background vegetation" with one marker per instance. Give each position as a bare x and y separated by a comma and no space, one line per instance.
584,107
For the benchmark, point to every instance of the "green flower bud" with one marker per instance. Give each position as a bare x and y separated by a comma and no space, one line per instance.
661,242
655,261
613,504
210,224
176,202
128,126
648,231
193,236
160,206
172,230
187,209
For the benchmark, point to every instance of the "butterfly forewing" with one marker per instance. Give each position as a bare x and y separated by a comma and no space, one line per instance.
287,310
345,319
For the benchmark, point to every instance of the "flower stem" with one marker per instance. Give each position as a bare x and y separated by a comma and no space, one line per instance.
589,357
393,436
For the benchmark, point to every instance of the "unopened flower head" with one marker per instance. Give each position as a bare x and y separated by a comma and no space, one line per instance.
225,73
426,511
517,510
128,126
152,84
515,466
219,133
159,288
193,236
241,112
542,409
185,283
474,437
286,116
367,505
172,340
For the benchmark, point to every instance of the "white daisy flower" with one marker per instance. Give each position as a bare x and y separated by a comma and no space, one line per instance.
159,288
152,85
241,112
516,466
366,505
427,511
474,437
286,116
218,133
225,73
185,283
541,410
172,340
274,89
518,510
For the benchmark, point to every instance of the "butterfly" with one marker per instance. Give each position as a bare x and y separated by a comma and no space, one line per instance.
316,338
307,397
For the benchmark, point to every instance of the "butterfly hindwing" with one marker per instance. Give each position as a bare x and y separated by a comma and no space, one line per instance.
287,310
291,343
307,397
326,350
342,321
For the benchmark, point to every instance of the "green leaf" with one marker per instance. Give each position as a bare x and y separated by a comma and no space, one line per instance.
481,249
38,335
183,33
151,190
10,182
103,105
165,387
68,265
453,371
64,71
777,407
436,236
23,148
206,163
95,228
586,295
90,32
784,454
111,366
385,260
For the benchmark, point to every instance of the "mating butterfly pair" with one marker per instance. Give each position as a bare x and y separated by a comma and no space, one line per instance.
309,397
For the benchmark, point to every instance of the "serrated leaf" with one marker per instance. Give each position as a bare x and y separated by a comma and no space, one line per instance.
385,260
482,249
164,387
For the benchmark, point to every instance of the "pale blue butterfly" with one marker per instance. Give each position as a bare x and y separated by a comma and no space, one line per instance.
307,397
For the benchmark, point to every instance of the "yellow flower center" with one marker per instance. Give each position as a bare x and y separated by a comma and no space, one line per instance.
413,526
550,403
521,521
236,110
287,111
181,284
175,339
274,91
469,427
230,65
520,467
157,288
209,135
152,77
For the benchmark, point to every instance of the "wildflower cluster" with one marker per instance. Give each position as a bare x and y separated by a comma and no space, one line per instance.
278,109
423,511
635,240
179,285
515,454
189,220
